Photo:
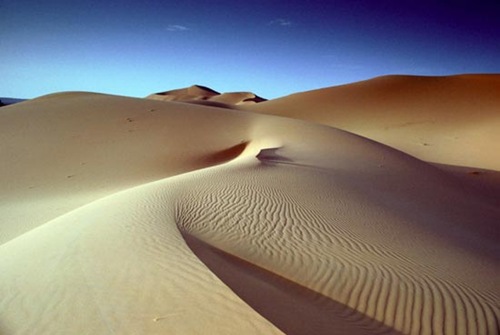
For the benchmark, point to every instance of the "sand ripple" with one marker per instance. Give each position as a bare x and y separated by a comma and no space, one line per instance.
258,212
171,218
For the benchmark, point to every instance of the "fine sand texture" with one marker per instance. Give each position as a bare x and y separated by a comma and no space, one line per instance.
138,216
451,120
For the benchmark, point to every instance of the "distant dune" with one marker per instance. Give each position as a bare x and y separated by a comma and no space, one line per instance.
155,216
450,120
201,93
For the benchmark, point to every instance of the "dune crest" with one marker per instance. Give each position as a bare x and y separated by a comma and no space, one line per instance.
450,120
123,215
198,93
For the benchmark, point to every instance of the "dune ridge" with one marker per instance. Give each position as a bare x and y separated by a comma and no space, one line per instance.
450,120
293,308
198,93
350,251
101,144
361,273
195,219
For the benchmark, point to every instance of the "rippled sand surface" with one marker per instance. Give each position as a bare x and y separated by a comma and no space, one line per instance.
137,216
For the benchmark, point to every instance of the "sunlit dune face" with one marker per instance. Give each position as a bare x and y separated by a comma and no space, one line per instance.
191,211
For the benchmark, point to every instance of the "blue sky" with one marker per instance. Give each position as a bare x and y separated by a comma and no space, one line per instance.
272,48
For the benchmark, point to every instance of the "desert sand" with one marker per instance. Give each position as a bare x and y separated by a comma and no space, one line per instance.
172,215
197,93
449,120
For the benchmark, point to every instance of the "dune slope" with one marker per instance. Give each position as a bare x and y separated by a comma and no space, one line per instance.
62,151
450,120
193,220
197,93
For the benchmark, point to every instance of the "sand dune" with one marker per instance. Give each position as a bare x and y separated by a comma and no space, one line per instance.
64,150
136,216
201,93
450,120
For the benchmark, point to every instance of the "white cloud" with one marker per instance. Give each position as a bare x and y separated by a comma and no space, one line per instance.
281,22
176,27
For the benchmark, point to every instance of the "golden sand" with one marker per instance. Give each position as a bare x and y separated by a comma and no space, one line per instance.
155,216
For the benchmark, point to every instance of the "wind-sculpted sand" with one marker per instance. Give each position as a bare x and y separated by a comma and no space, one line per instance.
197,93
207,220
449,120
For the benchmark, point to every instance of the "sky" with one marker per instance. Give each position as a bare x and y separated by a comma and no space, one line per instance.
272,48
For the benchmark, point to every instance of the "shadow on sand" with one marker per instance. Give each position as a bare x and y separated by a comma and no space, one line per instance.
291,307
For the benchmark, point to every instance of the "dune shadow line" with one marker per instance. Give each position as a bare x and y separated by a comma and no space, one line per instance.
294,309
271,155
223,156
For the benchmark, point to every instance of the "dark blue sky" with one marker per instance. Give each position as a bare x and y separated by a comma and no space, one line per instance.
270,47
